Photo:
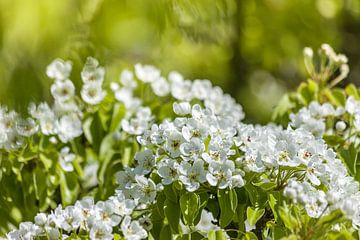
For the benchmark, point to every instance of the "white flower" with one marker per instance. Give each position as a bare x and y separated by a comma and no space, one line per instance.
220,174
63,90
54,233
237,181
173,143
66,158
168,171
92,93
59,69
125,178
181,89
175,77
144,190
192,175
90,174
62,108
105,212
27,231
215,152
69,127
85,207
313,171
206,222
48,124
127,79
92,73
316,204
124,95
182,108
145,160
194,129
201,89
101,231
26,127
304,119
122,206
252,161
147,73
132,230
160,87
193,149
134,126
356,122
286,153
352,106
72,218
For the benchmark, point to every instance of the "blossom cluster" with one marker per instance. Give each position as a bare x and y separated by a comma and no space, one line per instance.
206,149
96,219
314,118
201,145
184,91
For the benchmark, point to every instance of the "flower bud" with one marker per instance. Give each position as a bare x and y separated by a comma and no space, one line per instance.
340,126
40,219
182,108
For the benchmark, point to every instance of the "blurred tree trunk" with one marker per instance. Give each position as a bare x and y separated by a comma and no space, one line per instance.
351,46
237,63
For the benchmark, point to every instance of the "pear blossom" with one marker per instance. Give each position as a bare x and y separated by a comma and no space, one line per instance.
63,90
66,158
147,73
59,69
182,108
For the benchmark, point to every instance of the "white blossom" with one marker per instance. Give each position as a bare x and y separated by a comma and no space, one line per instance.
59,69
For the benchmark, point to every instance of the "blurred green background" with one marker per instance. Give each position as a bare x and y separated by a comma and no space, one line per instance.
251,48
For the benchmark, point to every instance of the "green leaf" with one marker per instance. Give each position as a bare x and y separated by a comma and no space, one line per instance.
46,161
87,131
106,152
288,218
228,202
330,219
336,96
69,187
254,214
40,186
257,196
213,207
250,236
157,216
267,186
118,114
350,158
282,108
170,193
274,199
276,231
172,213
240,217
189,205
333,140
216,235
204,197
307,92
351,90
97,132
117,237
165,233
